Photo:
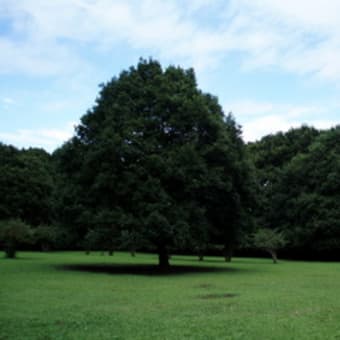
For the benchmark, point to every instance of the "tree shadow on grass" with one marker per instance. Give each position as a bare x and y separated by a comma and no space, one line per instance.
18,258
196,260
148,270
255,261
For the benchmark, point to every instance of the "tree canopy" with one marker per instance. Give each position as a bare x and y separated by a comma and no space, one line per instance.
26,185
310,194
299,190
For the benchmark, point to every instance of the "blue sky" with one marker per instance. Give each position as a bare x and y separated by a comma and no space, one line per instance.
275,64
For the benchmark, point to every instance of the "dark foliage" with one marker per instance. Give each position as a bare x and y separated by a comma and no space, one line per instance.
156,158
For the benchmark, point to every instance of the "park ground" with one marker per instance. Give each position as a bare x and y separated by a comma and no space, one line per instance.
69,295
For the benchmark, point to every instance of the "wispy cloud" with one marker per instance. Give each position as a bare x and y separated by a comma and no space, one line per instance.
48,39
262,118
49,139
8,101
301,37
255,129
306,35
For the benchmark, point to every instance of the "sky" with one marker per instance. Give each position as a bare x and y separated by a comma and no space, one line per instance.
274,64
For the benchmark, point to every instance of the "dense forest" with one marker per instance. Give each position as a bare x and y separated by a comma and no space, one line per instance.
157,166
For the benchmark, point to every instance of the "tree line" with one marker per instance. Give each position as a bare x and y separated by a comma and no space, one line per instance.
156,165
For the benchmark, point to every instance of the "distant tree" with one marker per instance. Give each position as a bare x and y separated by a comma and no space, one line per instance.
45,237
270,156
269,240
72,216
131,241
306,205
26,185
200,247
157,155
91,241
13,234
280,179
233,218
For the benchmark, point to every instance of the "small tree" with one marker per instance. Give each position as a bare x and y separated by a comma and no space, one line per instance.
90,241
200,249
102,239
45,236
14,233
131,241
269,240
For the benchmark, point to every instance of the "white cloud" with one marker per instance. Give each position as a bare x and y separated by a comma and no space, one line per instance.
8,101
298,36
306,35
262,118
316,15
42,38
257,128
49,139
248,108
252,108
46,38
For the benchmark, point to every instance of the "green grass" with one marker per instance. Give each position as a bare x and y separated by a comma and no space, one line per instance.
69,295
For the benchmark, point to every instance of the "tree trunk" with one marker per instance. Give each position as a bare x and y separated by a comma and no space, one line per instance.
227,253
163,258
273,254
45,247
200,253
10,252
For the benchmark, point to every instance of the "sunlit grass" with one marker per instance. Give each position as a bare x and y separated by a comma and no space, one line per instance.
68,295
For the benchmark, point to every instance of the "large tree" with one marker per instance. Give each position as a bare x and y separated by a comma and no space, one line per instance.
156,157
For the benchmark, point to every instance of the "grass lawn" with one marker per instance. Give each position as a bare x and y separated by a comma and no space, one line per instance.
68,295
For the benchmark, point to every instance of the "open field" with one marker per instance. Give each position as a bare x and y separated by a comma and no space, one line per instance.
68,295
